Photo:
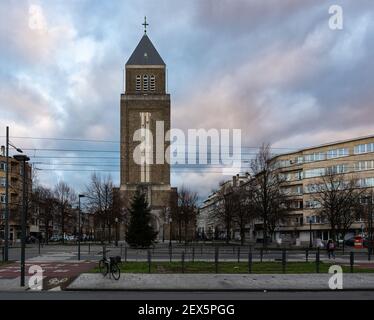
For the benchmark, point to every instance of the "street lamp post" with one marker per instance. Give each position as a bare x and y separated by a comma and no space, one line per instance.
79,225
170,230
310,233
23,158
371,219
116,221
6,231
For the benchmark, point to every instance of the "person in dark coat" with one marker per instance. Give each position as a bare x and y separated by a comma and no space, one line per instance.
330,249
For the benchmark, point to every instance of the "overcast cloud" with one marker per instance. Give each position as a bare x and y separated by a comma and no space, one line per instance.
271,68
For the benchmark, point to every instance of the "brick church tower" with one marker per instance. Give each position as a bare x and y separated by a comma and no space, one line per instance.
145,105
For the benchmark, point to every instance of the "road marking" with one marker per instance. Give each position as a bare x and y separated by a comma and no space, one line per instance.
55,289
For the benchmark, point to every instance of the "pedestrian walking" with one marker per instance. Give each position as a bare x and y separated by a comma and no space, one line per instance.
331,249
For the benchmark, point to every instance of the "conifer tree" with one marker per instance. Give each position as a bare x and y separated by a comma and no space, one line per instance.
140,232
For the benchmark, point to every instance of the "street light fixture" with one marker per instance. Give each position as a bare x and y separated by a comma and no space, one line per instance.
79,225
170,230
6,233
310,233
370,222
116,221
23,158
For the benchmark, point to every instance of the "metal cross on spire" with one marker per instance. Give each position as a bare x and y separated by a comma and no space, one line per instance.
145,24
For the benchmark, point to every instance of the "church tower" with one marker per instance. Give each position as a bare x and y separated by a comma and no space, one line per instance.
145,105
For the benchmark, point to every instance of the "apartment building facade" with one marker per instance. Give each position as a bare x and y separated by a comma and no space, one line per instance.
15,196
302,170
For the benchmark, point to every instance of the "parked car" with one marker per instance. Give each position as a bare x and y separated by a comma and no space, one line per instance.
31,239
351,241
69,237
319,243
55,238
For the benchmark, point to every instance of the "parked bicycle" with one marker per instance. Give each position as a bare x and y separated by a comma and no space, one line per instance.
111,266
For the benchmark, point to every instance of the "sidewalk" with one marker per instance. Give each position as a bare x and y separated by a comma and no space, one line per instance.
220,282
12,284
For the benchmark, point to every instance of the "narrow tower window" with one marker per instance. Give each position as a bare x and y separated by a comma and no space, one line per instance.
138,83
152,83
145,82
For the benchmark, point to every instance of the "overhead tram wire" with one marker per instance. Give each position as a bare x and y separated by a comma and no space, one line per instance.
72,157
117,171
116,141
118,151
66,139
242,157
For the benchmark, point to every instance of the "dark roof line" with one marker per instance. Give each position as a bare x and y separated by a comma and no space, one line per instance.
324,145
145,54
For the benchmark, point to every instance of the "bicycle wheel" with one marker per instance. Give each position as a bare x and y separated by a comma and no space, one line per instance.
103,267
116,272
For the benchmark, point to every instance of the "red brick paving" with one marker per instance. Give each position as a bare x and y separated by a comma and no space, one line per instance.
365,265
51,269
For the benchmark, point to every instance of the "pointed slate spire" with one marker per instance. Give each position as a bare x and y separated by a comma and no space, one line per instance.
145,54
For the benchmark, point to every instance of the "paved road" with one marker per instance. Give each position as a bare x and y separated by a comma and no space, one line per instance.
113,295
50,269
55,274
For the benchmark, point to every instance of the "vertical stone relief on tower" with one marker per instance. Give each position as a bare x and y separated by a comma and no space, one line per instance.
147,147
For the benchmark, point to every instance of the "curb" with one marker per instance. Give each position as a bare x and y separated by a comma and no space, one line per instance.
226,283
218,290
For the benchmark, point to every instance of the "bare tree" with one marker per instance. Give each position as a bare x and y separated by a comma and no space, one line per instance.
187,209
183,211
338,196
244,211
100,200
225,208
65,197
267,198
44,203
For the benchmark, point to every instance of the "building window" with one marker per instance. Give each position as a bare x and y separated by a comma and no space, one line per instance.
296,204
138,83
316,156
318,172
2,181
312,204
337,169
364,165
152,83
366,200
313,219
282,163
336,153
298,175
299,190
2,198
145,82
2,166
366,182
285,176
364,148
299,160
294,190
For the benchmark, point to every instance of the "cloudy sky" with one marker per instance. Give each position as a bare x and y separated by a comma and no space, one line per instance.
273,69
